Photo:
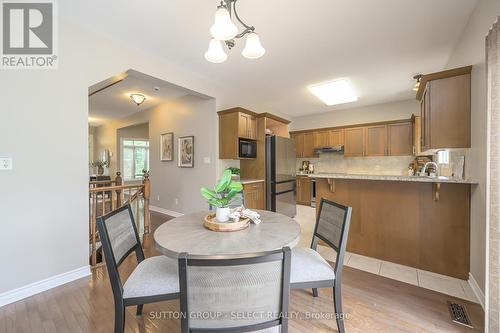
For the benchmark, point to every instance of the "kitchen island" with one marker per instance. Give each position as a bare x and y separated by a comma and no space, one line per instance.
421,222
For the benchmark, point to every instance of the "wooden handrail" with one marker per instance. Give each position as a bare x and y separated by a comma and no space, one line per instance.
115,188
104,199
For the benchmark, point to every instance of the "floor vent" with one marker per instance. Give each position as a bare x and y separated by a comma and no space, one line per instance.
458,314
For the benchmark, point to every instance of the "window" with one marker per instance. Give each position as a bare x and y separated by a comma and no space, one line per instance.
135,158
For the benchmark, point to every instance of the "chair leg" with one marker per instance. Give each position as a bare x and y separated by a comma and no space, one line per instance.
315,292
139,310
119,318
337,302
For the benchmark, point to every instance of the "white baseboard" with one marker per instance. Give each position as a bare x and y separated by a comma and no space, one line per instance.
31,289
477,291
165,211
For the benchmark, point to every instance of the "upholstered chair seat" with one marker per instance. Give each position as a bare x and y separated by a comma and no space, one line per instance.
308,265
153,276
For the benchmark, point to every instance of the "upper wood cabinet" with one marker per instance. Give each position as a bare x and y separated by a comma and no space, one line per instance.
336,137
247,126
304,145
400,139
328,138
321,139
354,144
309,145
376,140
445,99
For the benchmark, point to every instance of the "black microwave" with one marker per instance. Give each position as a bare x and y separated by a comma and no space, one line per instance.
247,148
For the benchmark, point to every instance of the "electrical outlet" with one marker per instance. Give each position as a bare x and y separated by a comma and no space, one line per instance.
176,201
5,163
206,160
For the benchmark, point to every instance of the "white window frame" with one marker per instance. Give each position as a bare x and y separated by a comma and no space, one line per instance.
133,166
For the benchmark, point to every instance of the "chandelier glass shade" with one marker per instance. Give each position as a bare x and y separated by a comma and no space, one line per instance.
253,48
225,30
215,52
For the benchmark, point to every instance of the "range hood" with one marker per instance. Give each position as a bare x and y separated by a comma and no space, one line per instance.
329,149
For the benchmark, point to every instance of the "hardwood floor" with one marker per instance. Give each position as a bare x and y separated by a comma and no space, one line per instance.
372,303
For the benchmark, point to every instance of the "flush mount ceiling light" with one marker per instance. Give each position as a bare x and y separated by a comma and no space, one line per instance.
334,92
224,30
138,98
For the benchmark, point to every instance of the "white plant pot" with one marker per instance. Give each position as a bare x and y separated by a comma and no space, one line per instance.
222,214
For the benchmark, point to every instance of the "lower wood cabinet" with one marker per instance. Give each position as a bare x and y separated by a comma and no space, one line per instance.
304,190
254,194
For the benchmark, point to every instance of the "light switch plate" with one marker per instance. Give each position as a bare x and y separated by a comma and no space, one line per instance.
206,160
5,163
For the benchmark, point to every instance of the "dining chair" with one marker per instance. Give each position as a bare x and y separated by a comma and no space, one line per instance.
233,294
310,270
154,279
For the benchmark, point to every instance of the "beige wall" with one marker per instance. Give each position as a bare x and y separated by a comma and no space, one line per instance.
471,51
367,114
173,188
44,199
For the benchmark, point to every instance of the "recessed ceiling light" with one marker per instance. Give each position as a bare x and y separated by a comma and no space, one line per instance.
334,92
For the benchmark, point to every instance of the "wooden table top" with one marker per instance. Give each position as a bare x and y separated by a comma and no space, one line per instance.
187,234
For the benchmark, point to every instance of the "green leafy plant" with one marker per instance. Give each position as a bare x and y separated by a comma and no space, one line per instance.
224,191
234,171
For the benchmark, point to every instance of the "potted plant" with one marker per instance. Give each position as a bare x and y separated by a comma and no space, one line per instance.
235,173
100,164
222,195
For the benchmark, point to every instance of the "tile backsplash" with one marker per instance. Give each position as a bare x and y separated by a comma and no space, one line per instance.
337,163
382,165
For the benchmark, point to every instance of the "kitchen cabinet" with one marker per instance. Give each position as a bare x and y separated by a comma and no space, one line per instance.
234,124
354,142
299,144
247,126
336,138
304,190
321,139
309,145
304,145
254,195
417,135
375,140
400,139
445,99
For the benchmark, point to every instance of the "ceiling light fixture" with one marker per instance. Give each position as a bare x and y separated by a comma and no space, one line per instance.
138,98
224,30
334,92
417,77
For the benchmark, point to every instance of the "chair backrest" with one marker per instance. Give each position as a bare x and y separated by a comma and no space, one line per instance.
332,227
119,238
245,293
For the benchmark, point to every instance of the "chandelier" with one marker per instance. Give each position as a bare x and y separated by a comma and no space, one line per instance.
224,30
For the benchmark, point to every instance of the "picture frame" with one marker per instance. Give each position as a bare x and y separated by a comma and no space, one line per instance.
167,147
185,152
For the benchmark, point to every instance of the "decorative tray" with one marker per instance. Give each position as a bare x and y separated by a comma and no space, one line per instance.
212,224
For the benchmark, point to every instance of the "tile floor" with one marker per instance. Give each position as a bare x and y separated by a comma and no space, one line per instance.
429,280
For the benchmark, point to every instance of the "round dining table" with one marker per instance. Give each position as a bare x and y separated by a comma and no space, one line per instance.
187,234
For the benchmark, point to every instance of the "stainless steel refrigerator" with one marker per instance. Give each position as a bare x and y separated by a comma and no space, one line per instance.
280,175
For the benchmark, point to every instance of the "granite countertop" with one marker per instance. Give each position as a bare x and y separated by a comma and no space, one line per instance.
250,180
395,178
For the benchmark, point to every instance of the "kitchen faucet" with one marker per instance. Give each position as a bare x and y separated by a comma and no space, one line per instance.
435,167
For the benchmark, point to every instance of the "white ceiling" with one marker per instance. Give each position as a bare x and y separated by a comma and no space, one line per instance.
114,102
378,45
